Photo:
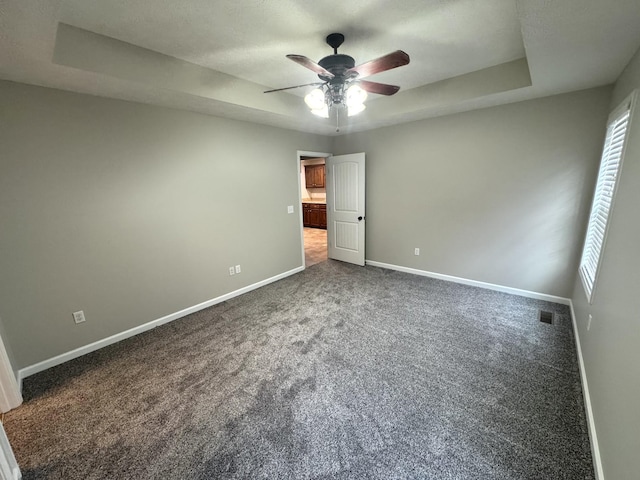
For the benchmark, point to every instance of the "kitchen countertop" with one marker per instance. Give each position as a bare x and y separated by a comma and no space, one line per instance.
314,200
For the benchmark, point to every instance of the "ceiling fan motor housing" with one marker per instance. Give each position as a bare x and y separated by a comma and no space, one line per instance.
337,64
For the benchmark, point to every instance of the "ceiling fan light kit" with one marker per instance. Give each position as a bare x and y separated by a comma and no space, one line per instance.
320,100
342,85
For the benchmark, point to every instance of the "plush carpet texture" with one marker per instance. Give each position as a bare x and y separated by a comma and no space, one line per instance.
339,372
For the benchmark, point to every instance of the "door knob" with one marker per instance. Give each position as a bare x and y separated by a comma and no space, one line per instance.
360,219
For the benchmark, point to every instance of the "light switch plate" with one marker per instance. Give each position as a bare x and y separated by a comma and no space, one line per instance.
290,209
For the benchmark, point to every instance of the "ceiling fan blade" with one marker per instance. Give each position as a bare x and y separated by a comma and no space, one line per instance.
382,64
296,86
379,88
311,65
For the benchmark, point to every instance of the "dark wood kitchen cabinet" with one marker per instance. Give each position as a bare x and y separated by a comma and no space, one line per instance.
306,214
314,176
314,215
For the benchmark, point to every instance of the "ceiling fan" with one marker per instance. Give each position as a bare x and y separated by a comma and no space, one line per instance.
342,82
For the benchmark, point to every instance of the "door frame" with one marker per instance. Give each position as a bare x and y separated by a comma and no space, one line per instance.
305,153
9,469
10,396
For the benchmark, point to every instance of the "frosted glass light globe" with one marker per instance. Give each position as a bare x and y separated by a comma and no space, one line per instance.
355,96
315,99
321,112
355,109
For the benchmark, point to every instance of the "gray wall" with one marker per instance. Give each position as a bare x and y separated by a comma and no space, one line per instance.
498,195
132,212
611,348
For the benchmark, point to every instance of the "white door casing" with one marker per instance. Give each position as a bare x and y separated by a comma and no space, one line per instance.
345,181
10,396
9,469
306,153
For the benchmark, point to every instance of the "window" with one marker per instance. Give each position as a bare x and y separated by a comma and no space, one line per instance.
603,198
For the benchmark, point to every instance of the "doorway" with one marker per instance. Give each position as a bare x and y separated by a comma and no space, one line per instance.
332,207
313,206
315,245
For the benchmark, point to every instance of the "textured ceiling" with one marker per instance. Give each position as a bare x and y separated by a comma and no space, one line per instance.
445,39
217,56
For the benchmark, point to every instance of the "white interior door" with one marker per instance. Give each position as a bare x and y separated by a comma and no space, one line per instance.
345,208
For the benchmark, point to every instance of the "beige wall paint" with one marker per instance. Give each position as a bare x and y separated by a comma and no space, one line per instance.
132,212
498,195
611,348
628,81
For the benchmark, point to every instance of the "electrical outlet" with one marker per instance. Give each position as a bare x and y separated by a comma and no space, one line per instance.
416,251
589,323
232,271
290,209
78,317
238,270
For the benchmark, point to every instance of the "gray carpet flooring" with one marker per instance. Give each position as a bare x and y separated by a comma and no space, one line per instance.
339,372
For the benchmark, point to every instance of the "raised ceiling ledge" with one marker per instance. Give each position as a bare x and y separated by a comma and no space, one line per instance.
89,51
79,48
488,81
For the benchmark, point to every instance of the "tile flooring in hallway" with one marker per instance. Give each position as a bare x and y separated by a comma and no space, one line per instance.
315,245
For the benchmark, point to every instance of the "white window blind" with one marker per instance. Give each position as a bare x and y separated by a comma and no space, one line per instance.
603,198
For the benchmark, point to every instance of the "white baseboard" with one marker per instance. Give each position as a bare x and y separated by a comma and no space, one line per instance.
64,357
593,437
473,283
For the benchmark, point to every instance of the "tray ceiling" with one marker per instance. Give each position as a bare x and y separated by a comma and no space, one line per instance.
216,57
